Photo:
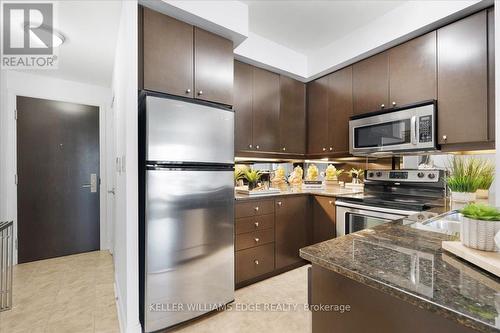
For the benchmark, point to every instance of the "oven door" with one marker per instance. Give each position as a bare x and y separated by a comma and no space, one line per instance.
404,130
354,217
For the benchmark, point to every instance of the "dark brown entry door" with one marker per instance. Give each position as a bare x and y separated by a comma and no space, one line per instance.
57,152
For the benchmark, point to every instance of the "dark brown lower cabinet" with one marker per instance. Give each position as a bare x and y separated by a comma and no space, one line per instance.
292,232
254,262
323,218
254,239
268,236
371,310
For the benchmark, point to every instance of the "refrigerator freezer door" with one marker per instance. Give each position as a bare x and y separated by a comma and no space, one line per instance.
189,244
179,131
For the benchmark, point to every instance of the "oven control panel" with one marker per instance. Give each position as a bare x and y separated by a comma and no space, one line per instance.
420,176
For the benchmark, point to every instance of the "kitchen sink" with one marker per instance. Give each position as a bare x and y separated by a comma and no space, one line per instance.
448,223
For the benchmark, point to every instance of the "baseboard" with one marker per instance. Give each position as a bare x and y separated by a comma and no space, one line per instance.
136,328
119,306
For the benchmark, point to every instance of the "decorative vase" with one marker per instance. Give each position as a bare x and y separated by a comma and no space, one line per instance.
463,196
479,234
482,194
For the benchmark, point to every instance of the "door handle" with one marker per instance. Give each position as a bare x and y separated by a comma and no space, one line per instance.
112,191
413,130
93,183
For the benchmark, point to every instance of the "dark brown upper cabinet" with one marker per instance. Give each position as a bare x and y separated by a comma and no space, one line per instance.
330,106
167,54
266,108
340,109
213,67
292,229
243,112
371,84
317,116
412,71
292,119
179,59
463,80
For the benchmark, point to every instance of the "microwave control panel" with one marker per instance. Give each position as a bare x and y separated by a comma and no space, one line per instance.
425,129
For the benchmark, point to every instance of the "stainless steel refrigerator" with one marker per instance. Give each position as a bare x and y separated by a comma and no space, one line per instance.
188,249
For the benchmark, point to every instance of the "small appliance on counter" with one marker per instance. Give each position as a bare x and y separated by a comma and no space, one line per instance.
410,128
389,195
186,201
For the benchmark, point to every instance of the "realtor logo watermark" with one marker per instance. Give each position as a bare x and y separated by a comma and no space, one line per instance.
28,36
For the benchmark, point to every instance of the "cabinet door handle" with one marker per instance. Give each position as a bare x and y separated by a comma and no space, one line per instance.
280,203
382,106
188,91
200,92
324,148
445,138
250,146
331,148
256,224
284,149
256,262
330,202
256,240
256,208
393,104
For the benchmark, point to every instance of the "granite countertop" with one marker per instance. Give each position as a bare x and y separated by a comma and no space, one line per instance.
410,264
330,192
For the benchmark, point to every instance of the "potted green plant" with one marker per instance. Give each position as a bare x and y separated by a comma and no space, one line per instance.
480,224
252,176
239,174
464,178
486,179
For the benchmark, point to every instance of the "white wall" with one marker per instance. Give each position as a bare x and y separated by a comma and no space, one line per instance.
126,249
265,53
24,84
400,24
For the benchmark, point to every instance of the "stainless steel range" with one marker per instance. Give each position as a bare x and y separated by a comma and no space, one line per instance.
389,195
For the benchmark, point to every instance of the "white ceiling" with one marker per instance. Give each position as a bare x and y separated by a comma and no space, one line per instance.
91,32
308,25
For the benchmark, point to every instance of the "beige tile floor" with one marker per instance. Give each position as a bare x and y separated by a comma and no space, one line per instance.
66,294
287,288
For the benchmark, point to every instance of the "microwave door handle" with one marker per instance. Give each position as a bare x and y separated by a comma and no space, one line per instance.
414,130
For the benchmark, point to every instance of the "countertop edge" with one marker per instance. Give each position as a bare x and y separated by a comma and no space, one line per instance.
413,299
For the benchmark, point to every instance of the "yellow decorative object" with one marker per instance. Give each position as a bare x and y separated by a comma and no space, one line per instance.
332,174
312,172
296,176
279,176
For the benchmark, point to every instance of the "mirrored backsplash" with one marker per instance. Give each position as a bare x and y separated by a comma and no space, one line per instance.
345,164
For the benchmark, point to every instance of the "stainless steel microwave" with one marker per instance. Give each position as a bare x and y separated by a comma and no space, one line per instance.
406,129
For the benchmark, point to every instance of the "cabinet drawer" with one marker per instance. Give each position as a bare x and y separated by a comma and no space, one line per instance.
254,238
254,223
253,208
253,262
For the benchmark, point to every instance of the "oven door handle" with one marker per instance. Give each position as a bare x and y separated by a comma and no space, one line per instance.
414,130
403,213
